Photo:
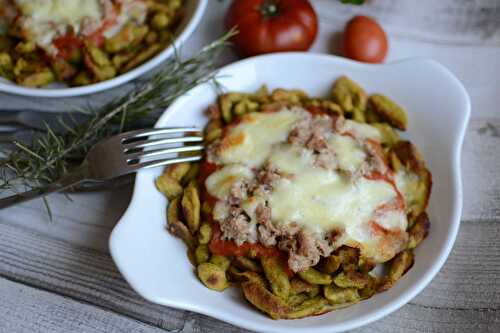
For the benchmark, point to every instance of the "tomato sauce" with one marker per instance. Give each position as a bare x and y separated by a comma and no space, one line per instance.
229,248
67,46
206,169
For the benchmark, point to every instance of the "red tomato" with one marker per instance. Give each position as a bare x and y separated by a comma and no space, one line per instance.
364,40
267,26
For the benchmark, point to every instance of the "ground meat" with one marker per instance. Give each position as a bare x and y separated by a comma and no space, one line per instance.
305,250
268,175
317,142
263,214
311,133
261,186
237,193
321,125
266,231
300,133
238,227
266,236
326,159
324,246
289,230
299,263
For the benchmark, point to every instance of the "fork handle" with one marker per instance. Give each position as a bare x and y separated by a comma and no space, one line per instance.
67,181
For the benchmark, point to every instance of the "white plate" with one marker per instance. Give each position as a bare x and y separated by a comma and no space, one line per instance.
155,263
194,10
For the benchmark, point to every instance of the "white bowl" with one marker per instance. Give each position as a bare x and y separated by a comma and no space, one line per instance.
194,10
155,263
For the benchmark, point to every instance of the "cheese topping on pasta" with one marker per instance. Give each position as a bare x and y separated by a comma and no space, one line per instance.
43,21
323,175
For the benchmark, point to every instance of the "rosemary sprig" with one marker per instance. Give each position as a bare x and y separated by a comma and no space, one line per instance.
50,156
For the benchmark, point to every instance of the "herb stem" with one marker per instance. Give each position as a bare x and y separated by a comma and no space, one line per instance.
51,156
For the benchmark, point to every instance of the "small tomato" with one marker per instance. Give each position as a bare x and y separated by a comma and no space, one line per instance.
267,26
364,40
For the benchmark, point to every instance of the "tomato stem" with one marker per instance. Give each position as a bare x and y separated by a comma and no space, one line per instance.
269,8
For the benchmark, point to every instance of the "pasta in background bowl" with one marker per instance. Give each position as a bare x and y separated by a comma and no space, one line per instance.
45,47
436,124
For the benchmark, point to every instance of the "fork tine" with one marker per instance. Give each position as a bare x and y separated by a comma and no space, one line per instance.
165,151
151,143
168,161
156,131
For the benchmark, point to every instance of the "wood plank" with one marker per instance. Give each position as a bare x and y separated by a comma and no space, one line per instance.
447,22
480,170
29,310
78,272
87,219
466,291
26,309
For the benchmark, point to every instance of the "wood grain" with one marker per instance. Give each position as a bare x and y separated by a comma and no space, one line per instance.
480,170
28,310
87,219
467,287
58,276
439,22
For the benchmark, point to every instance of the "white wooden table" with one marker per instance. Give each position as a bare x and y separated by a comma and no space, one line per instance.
58,276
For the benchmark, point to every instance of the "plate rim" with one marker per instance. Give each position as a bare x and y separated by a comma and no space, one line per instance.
192,24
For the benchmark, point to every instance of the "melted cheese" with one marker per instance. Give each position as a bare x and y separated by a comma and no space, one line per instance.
313,196
291,159
45,20
407,183
219,183
350,156
42,21
326,201
361,131
67,12
322,199
130,11
251,141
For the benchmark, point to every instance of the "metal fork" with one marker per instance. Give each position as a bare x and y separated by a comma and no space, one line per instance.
123,154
